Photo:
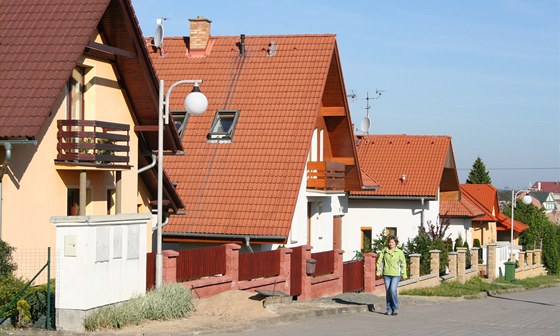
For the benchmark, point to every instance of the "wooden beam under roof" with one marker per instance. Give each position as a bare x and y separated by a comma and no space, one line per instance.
105,51
333,111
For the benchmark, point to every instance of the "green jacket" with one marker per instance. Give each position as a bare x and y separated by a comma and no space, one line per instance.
391,263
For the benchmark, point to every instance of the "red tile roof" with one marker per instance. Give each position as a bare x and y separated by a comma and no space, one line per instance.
388,158
248,186
39,45
485,197
41,42
506,221
462,208
547,186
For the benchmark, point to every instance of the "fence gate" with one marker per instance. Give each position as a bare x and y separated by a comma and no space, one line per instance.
296,271
353,276
150,271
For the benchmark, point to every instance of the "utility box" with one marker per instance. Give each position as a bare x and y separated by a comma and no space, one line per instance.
310,266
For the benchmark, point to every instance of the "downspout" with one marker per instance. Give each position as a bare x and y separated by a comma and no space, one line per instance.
422,212
7,157
247,240
150,166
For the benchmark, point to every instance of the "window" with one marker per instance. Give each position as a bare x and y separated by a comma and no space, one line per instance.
223,125
391,231
180,119
366,239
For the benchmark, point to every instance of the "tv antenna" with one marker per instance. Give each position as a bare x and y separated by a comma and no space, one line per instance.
366,122
158,36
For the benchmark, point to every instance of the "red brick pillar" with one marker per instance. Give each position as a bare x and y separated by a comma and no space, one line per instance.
169,263
370,268
339,270
285,263
232,263
305,279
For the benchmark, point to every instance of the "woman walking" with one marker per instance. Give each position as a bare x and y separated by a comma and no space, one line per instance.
392,265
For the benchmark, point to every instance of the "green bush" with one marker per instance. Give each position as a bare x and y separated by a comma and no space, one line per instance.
37,299
7,264
171,301
540,227
9,287
468,263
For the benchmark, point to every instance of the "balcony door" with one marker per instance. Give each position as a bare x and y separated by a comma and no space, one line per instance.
76,89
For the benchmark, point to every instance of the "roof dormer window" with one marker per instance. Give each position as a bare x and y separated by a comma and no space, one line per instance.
223,125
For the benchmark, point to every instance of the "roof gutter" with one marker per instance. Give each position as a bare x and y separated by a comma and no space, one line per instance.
244,238
7,145
400,198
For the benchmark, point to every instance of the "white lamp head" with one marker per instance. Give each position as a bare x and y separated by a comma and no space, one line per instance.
196,102
527,199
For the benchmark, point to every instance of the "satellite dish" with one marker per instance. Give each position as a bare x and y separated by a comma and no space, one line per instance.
158,36
364,126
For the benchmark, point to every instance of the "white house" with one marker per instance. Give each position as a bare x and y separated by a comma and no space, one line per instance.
418,185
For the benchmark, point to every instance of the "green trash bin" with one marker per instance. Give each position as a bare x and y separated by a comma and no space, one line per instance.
510,270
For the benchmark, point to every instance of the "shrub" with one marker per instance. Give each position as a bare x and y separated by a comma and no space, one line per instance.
458,243
168,302
24,313
9,287
468,263
7,264
37,299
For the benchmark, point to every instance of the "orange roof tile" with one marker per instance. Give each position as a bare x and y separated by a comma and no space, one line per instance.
388,158
462,208
506,221
485,196
39,45
248,186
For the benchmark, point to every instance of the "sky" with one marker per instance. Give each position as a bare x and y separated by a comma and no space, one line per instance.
486,73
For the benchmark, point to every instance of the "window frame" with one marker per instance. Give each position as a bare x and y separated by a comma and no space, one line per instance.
228,135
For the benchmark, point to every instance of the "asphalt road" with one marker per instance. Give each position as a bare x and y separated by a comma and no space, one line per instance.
535,312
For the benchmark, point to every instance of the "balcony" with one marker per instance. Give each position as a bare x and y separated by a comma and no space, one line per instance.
93,143
325,175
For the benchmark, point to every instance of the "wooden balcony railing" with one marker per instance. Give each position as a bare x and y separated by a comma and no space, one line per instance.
325,175
93,142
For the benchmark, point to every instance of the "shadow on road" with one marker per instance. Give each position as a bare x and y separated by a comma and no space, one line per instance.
509,299
370,306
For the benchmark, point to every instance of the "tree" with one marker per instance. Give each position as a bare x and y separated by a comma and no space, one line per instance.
479,174
540,228
7,264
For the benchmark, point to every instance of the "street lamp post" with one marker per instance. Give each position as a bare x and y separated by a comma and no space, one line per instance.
526,200
195,103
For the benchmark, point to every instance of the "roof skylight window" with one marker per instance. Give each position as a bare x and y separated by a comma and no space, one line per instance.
223,125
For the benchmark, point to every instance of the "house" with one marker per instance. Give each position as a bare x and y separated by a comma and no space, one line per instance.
493,226
272,159
546,200
76,82
418,186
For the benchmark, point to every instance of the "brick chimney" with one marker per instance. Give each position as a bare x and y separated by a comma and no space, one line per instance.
200,33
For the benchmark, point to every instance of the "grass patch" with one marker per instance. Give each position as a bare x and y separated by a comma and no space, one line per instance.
455,289
477,285
171,301
530,283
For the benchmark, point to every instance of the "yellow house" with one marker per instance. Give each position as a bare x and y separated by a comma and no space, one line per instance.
78,106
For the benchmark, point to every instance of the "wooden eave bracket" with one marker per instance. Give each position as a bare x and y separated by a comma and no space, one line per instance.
105,51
